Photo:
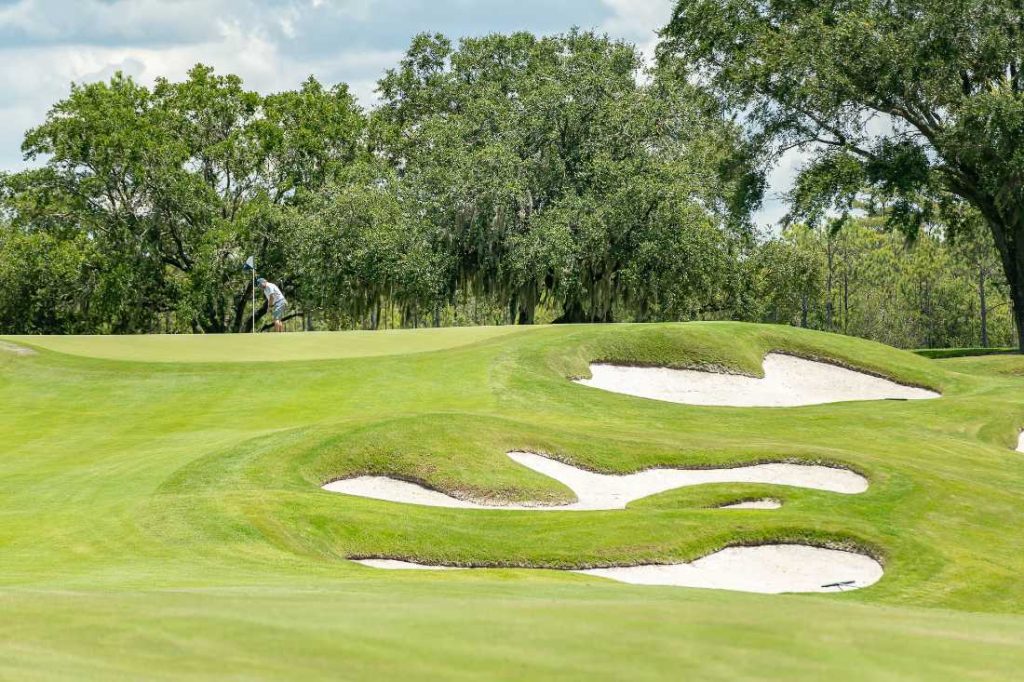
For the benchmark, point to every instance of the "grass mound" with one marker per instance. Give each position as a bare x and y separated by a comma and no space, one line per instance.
162,516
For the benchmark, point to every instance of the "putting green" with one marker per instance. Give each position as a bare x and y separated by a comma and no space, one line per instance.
263,347
164,519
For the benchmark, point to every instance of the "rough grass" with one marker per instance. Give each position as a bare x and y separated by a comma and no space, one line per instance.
164,520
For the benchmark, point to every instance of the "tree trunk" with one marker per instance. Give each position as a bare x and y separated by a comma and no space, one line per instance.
1017,295
926,313
572,313
828,287
846,301
984,307
527,303
803,310
1013,318
1009,238
243,322
214,321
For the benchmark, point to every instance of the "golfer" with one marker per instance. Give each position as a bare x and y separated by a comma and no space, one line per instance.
275,301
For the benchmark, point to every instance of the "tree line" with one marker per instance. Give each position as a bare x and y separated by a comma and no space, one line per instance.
866,280
503,179
512,171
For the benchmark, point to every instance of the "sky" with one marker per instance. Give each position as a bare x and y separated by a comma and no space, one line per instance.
45,45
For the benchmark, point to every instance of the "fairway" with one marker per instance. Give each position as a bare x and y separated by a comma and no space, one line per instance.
163,517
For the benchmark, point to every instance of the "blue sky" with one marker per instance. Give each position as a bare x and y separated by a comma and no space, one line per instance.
271,44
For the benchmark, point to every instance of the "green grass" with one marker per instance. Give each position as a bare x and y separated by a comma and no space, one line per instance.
161,517
943,353
263,347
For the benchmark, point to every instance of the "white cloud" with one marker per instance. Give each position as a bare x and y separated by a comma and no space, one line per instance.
638,21
57,66
637,18
780,181
42,21
34,78
163,22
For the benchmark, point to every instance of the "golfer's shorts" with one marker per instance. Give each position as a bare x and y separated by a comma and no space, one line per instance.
279,310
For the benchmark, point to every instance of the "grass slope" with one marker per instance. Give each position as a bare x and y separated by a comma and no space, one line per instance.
943,353
263,347
160,518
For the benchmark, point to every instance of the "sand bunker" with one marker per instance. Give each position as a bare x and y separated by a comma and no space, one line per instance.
754,504
7,347
393,490
788,382
603,491
395,565
769,569
1020,442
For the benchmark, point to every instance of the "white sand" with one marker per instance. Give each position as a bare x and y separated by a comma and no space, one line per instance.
603,491
1020,442
754,504
769,569
7,347
788,381
395,565
393,490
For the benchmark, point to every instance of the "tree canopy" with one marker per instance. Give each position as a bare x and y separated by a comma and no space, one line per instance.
170,184
918,102
551,173
520,179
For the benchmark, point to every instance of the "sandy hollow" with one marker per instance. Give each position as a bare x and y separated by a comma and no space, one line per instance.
754,504
605,491
788,382
769,569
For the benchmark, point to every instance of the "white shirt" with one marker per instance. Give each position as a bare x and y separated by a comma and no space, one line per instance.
273,294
